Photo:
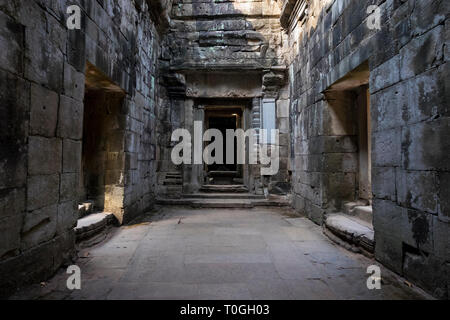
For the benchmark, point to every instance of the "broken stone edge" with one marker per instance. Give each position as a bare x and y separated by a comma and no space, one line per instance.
349,239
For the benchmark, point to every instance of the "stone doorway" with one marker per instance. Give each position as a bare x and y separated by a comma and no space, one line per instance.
227,171
102,177
349,121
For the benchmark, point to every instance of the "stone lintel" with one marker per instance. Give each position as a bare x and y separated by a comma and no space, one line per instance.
224,85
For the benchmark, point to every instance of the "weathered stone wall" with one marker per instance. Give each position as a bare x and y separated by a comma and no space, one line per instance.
42,81
408,64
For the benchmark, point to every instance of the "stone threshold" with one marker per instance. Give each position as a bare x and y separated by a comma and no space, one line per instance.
225,203
351,232
225,188
226,196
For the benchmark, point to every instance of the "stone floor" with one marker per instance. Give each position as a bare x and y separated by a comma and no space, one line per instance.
185,253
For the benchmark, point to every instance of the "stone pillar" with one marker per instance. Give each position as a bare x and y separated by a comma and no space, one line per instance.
254,169
276,92
193,173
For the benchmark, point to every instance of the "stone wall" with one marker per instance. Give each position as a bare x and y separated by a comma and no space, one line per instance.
42,84
408,63
166,60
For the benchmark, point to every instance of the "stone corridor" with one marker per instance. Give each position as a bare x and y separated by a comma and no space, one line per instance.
259,149
182,253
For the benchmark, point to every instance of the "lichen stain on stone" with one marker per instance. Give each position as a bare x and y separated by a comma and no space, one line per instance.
420,227
432,137
406,143
423,56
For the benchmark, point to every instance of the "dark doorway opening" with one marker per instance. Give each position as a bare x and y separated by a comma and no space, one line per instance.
223,119
103,176
349,102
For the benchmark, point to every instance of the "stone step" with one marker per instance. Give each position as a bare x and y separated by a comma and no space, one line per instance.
207,203
271,203
353,233
223,203
224,188
364,213
360,209
173,176
172,182
350,206
173,173
174,188
222,196
222,173
92,225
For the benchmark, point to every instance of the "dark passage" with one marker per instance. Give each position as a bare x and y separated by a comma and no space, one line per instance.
102,176
223,120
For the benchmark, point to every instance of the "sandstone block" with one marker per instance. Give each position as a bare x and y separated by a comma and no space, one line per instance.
426,96
383,183
70,122
69,186
12,202
428,14
44,111
387,148
444,198
418,231
10,235
39,226
422,53
11,44
73,82
67,216
425,145
336,162
389,250
441,230
44,155
385,75
42,191
45,62
388,217
72,153
388,107
14,124
418,190
283,108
